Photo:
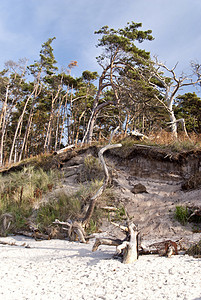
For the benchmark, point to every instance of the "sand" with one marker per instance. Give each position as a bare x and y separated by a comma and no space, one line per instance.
58,269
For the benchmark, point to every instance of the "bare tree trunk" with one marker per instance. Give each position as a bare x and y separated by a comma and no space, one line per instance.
173,122
49,128
26,135
171,88
127,124
3,125
64,116
21,120
58,124
78,127
90,127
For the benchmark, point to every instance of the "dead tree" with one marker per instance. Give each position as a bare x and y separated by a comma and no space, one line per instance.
77,227
168,88
129,248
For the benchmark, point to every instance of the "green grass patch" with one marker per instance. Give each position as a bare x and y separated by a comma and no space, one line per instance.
181,214
20,191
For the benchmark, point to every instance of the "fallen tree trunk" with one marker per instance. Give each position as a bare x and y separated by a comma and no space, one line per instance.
129,249
76,228
106,241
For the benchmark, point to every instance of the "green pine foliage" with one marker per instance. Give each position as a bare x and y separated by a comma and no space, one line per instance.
188,106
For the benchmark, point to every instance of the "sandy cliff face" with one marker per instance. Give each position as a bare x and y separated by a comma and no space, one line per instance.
156,163
162,173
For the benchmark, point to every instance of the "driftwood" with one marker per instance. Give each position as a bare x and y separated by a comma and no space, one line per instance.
37,235
129,248
65,149
138,134
5,221
194,213
166,248
76,228
33,232
106,241
15,244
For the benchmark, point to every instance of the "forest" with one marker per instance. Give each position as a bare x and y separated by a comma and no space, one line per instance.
44,109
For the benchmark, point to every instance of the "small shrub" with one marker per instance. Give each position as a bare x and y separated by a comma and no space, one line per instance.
119,214
185,145
181,214
91,170
93,227
194,182
195,250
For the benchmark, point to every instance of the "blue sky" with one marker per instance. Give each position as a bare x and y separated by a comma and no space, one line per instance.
26,24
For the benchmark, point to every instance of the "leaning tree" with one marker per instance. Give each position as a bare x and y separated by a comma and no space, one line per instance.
119,54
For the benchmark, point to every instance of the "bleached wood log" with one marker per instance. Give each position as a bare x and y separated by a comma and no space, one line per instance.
130,254
124,228
128,247
121,247
65,149
61,223
109,208
74,228
15,244
138,134
106,241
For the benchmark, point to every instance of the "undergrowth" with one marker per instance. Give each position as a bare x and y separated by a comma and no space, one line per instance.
181,214
73,206
186,214
195,250
20,191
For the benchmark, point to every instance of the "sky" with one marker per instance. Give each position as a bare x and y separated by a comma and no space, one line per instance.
26,24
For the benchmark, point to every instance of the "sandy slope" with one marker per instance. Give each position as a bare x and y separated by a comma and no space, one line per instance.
154,211
59,269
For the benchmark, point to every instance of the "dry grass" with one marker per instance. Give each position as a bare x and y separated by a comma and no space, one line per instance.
164,138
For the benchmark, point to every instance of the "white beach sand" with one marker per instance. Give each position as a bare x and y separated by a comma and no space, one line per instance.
58,269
